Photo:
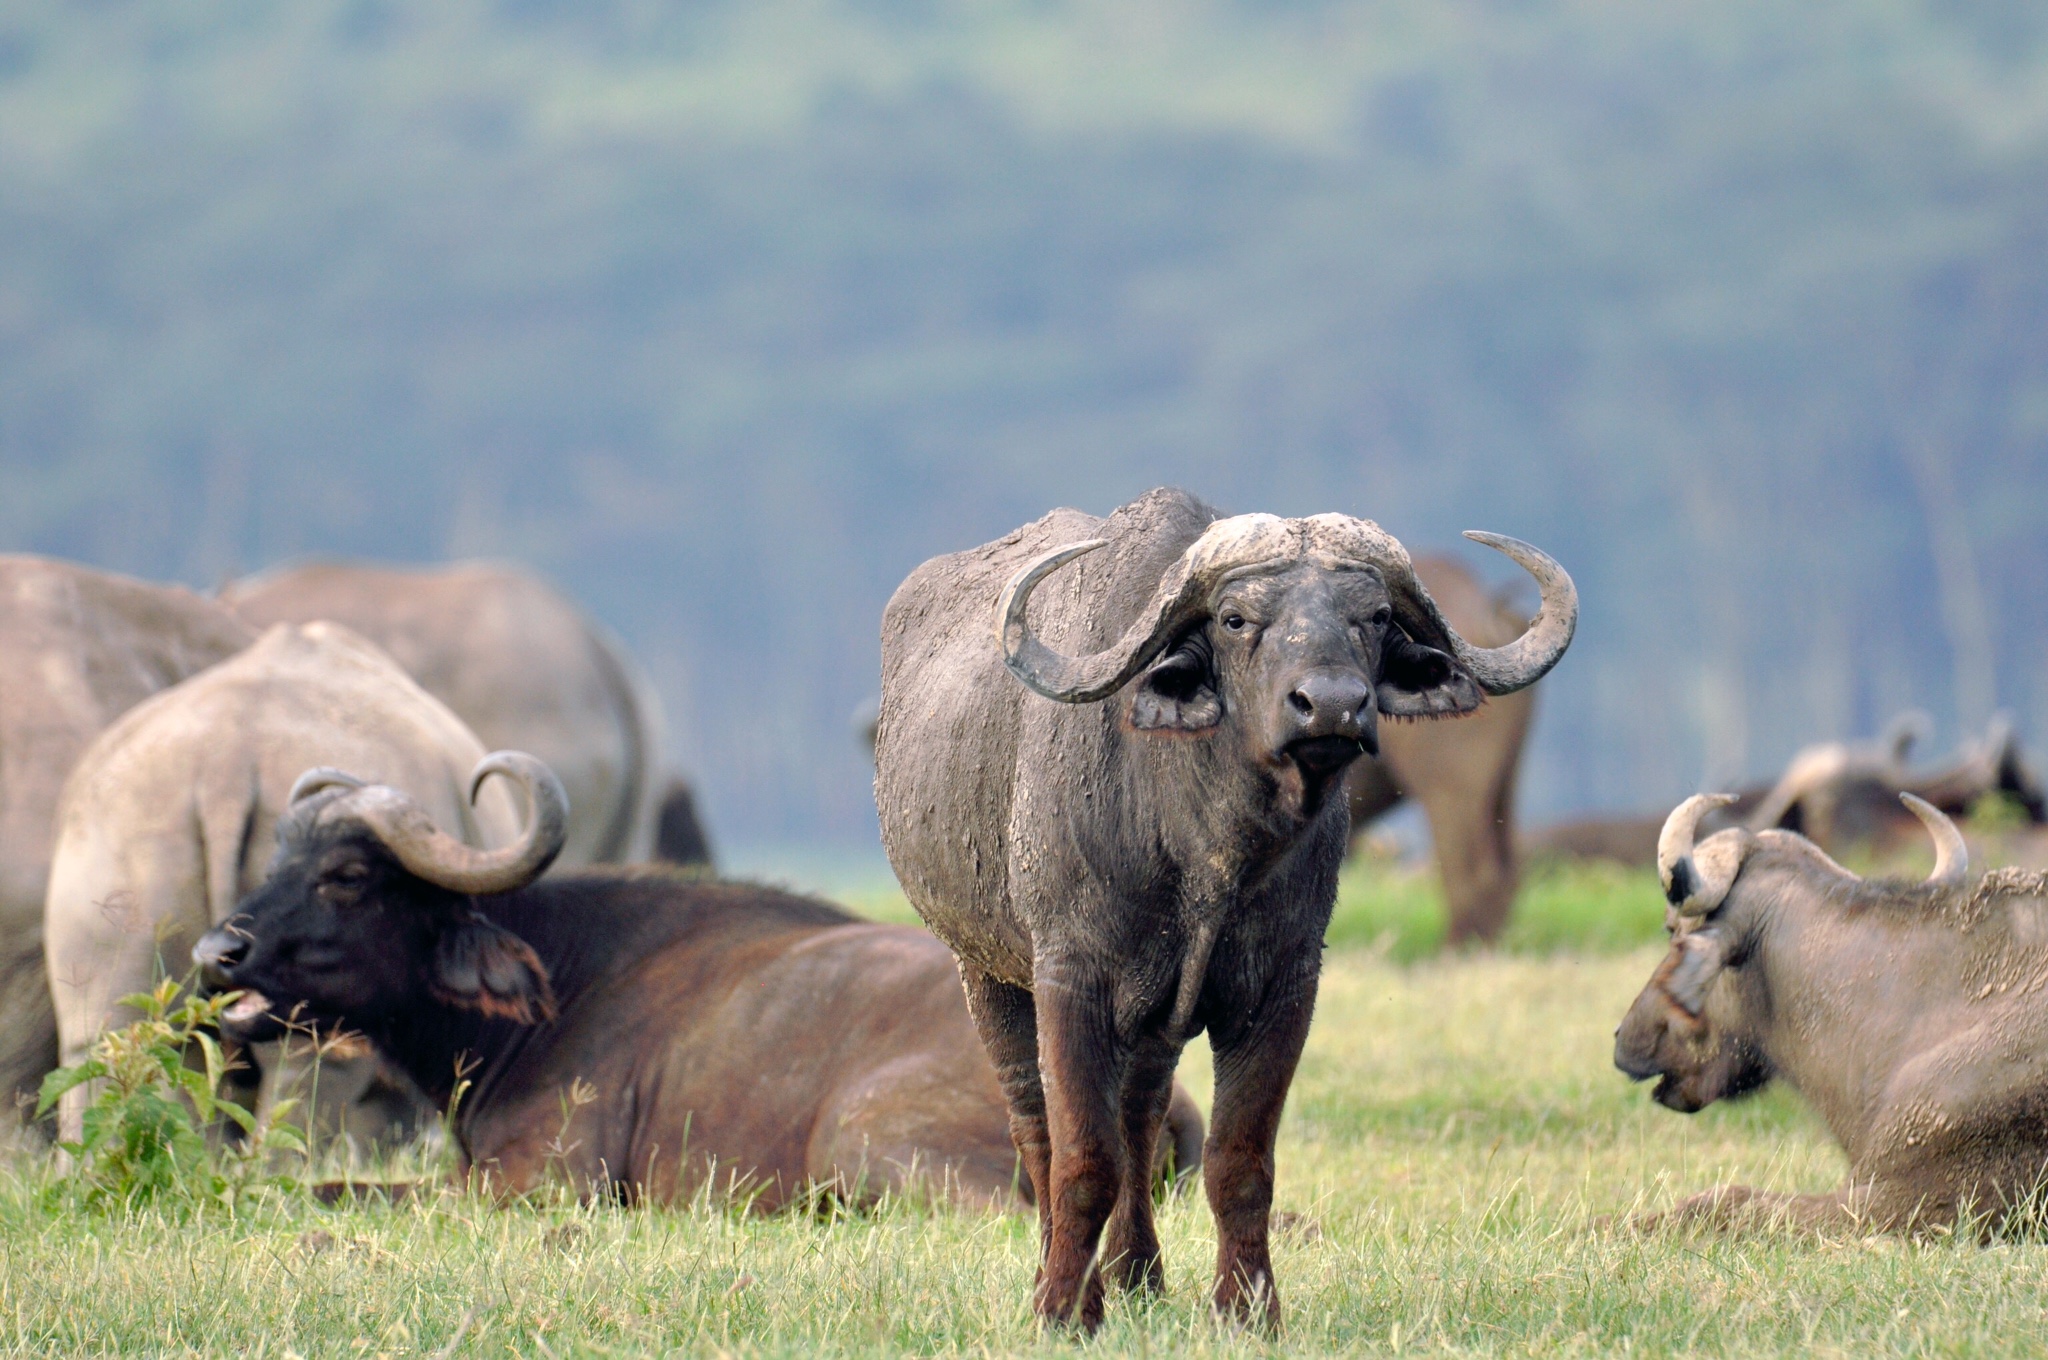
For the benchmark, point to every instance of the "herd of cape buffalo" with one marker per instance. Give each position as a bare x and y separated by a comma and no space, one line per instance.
420,823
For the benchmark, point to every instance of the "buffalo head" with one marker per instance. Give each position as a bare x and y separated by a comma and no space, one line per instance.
1293,636
368,907
1702,1025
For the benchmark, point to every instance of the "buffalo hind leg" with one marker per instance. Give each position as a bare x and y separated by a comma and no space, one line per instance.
1255,1062
1078,1062
1130,1244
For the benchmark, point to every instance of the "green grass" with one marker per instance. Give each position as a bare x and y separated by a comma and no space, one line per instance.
1398,911
1456,1131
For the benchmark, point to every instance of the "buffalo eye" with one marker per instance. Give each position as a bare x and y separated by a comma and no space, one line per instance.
345,879
1234,622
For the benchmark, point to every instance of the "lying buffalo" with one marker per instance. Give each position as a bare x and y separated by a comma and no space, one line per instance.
167,822
1838,794
78,648
518,662
1462,773
637,1031
1909,1015
1842,794
1125,815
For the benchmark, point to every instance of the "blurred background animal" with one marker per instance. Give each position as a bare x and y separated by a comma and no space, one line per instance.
635,1031
78,648
1842,795
1462,773
170,818
526,669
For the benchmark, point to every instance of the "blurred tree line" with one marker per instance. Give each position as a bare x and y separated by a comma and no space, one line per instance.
729,314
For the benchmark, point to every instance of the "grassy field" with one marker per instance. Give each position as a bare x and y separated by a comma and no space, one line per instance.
1454,1136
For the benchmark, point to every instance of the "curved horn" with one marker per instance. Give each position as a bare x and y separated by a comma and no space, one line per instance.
1521,663
1247,543
1951,855
439,858
319,778
1084,680
1685,887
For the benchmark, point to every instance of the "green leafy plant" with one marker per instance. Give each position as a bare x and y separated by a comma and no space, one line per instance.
147,1133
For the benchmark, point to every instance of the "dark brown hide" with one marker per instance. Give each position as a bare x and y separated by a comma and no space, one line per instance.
702,1030
1463,773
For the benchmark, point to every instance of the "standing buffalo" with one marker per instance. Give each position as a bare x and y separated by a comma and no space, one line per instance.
636,1031
77,649
1908,1015
1462,773
168,820
517,662
1139,840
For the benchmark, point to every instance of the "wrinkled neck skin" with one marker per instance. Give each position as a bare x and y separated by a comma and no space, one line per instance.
437,1044
1235,871
1852,994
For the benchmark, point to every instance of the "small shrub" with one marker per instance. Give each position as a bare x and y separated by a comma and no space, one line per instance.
145,1135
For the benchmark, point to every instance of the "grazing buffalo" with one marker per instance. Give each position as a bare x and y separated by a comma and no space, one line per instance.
1909,1015
636,1031
1124,812
1462,773
522,665
77,649
168,818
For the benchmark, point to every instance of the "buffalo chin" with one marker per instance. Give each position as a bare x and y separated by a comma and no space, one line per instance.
268,1024
1671,1093
1309,768
255,1029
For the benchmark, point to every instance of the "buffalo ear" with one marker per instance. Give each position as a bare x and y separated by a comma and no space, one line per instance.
1701,957
482,966
1421,682
1178,691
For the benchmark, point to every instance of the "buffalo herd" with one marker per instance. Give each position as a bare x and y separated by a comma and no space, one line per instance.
420,826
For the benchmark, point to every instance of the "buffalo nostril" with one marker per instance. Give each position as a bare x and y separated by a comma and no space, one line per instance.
1301,703
218,951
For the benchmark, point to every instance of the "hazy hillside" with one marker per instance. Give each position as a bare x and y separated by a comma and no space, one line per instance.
728,315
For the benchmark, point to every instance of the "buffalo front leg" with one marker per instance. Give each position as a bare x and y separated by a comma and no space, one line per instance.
1130,1245
1078,1062
1008,1025
1255,1062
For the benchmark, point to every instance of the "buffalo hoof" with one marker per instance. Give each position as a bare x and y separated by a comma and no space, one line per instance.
1081,1307
1251,1304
